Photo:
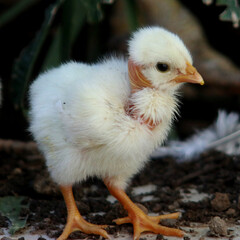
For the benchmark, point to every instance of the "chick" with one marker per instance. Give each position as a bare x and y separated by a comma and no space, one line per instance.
105,120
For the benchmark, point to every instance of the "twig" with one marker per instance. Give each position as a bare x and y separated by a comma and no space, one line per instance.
195,174
17,146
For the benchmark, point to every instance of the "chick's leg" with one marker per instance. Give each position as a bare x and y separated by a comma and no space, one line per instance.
142,222
75,222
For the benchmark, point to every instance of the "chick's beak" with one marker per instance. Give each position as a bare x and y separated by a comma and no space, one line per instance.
191,76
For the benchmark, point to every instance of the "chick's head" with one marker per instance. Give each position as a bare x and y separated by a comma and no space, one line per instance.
161,60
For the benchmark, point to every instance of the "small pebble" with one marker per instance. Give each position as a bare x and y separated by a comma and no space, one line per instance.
174,205
220,202
218,226
41,238
169,222
112,230
231,212
157,208
116,234
47,220
17,171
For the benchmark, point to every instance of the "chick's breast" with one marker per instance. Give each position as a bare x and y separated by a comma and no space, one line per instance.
79,120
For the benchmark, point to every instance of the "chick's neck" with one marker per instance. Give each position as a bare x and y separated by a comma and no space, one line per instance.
138,82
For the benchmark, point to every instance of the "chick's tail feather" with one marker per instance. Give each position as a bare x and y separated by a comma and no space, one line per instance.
223,135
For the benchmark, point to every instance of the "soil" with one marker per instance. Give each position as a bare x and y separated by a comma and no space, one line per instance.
213,173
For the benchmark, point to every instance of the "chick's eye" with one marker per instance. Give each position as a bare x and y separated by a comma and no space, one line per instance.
162,67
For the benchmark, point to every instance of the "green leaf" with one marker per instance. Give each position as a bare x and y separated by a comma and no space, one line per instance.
131,9
11,208
226,2
74,17
23,66
17,224
16,10
53,57
107,1
93,10
60,50
232,12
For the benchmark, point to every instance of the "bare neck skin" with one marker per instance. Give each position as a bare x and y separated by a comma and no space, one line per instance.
138,82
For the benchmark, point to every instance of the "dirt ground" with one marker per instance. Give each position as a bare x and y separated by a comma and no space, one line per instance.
214,175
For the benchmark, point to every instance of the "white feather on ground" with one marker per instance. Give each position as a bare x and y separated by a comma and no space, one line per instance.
223,135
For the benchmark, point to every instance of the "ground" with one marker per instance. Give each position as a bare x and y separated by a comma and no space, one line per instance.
201,190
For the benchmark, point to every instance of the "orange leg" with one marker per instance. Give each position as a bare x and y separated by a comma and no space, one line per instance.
142,222
75,222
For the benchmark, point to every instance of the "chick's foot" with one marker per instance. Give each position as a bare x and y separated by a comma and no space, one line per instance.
75,222
144,223
141,222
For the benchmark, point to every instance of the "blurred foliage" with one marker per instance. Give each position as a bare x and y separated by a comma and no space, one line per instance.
75,13
11,207
232,11
15,11
23,66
